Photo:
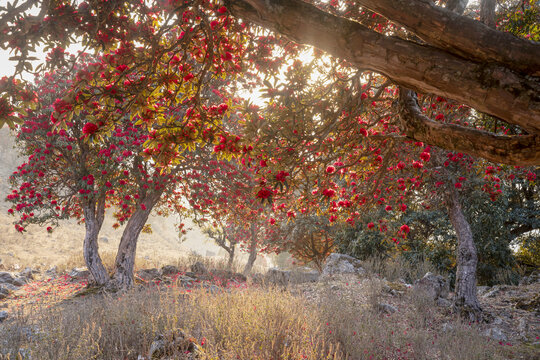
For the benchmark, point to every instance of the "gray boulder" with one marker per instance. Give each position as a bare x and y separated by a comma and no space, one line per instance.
3,315
6,277
149,274
337,264
435,286
169,270
303,276
278,277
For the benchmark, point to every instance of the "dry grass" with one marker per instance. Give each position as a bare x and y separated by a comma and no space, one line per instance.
253,323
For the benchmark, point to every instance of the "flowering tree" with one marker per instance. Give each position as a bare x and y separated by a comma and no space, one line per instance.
164,40
68,175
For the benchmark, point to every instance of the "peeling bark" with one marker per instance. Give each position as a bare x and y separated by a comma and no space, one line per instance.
466,300
93,220
516,150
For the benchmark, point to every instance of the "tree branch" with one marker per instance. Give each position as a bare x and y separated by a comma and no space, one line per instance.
516,150
462,35
490,88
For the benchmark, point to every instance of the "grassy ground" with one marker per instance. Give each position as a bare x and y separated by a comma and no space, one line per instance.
340,322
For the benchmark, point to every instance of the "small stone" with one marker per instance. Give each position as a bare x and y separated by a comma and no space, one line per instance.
169,270
3,315
443,302
79,274
495,333
446,327
148,274
386,308
199,268
435,286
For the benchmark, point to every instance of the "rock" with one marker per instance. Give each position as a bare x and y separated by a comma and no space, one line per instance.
104,239
79,274
494,291
304,276
523,328
335,288
257,278
341,264
529,304
446,327
52,272
4,292
28,273
495,333
169,270
386,308
6,278
435,286
148,274
199,268
3,315
185,281
481,290
442,302
531,279
278,277
175,344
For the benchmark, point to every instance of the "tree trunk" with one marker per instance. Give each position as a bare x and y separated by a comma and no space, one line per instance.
252,251
125,258
232,249
466,300
93,220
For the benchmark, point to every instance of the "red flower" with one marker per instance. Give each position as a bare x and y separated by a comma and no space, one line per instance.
89,128
370,225
143,207
458,185
403,207
280,176
330,169
405,228
264,193
222,10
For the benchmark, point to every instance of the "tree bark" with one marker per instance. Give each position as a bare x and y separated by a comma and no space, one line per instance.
93,220
231,251
487,16
466,300
461,35
124,264
524,150
488,86
252,251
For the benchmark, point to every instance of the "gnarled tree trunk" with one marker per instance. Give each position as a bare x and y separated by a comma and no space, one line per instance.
124,264
93,220
466,300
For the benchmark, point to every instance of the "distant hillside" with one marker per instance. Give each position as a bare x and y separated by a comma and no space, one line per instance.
38,247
